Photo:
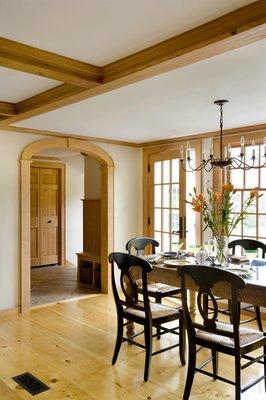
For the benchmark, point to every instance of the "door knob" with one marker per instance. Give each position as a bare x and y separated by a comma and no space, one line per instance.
49,222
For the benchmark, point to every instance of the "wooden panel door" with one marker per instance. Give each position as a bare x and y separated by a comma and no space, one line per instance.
45,216
168,194
49,216
171,220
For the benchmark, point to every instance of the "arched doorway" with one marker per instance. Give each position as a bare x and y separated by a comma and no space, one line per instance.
107,205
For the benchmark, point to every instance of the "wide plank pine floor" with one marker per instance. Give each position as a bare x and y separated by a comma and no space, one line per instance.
69,347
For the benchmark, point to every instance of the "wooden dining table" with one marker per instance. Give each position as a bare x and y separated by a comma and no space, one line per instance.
254,293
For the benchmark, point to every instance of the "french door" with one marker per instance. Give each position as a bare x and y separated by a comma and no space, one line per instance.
172,221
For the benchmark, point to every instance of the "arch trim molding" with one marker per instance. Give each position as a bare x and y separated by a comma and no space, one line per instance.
107,206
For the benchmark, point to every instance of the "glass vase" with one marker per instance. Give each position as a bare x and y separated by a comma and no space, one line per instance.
221,251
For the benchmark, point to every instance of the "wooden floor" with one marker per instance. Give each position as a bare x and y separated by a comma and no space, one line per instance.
69,347
55,283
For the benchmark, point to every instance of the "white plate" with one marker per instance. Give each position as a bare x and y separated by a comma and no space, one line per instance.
176,263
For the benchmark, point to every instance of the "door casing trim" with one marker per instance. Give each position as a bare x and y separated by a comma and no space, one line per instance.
107,206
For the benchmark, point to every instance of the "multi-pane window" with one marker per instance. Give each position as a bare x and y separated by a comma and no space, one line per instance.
254,226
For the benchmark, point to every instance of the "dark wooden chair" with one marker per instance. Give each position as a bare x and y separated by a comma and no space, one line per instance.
250,244
218,336
156,290
144,312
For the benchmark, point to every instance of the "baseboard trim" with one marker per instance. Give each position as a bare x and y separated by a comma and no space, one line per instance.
9,311
69,264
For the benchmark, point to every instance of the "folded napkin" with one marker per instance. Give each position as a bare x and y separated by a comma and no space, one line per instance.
259,262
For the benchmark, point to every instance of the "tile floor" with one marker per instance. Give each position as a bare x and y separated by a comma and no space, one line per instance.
55,283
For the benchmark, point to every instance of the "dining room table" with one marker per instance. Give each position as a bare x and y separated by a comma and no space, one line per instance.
254,292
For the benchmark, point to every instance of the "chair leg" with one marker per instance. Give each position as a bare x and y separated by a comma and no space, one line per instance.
237,377
158,299
148,345
119,337
258,317
182,339
190,371
215,363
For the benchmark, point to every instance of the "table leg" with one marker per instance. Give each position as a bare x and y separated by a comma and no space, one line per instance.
192,304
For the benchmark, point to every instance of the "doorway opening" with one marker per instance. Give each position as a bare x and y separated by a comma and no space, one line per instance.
52,230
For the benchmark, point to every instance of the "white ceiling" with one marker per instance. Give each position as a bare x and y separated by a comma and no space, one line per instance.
16,86
173,104
102,31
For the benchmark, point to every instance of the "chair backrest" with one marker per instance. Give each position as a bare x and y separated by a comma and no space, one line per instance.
248,244
205,278
139,244
130,269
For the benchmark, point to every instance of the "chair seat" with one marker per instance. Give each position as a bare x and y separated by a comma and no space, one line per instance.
157,311
159,288
246,335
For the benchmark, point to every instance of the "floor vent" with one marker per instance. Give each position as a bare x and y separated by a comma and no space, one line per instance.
30,383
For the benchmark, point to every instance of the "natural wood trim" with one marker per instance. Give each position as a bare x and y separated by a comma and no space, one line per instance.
107,206
7,312
7,109
68,135
62,168
44,63
238,28
252,129
39,158
46,101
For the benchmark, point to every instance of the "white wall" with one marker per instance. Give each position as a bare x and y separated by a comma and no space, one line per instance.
74,194
128,202
127,193
92,178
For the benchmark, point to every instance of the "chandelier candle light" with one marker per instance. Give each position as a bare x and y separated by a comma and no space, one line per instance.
222,162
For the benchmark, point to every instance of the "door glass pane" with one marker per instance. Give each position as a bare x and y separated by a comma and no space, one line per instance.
175,196
249,227
253,207
237,230
166,242
252,178
262,226
262,202
263,178
237,178
157,196
166,195
158,237
166,220
157,219
157,172
166,171
175,220
175,170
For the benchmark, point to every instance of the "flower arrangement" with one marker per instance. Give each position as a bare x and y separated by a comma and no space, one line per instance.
219,213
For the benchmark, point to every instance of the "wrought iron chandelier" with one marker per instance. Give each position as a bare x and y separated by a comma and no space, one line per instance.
226,161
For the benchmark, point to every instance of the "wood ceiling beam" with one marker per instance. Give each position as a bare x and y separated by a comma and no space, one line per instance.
238,28
7,109
35,61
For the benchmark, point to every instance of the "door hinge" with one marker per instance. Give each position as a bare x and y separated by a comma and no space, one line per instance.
149,168
149,221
